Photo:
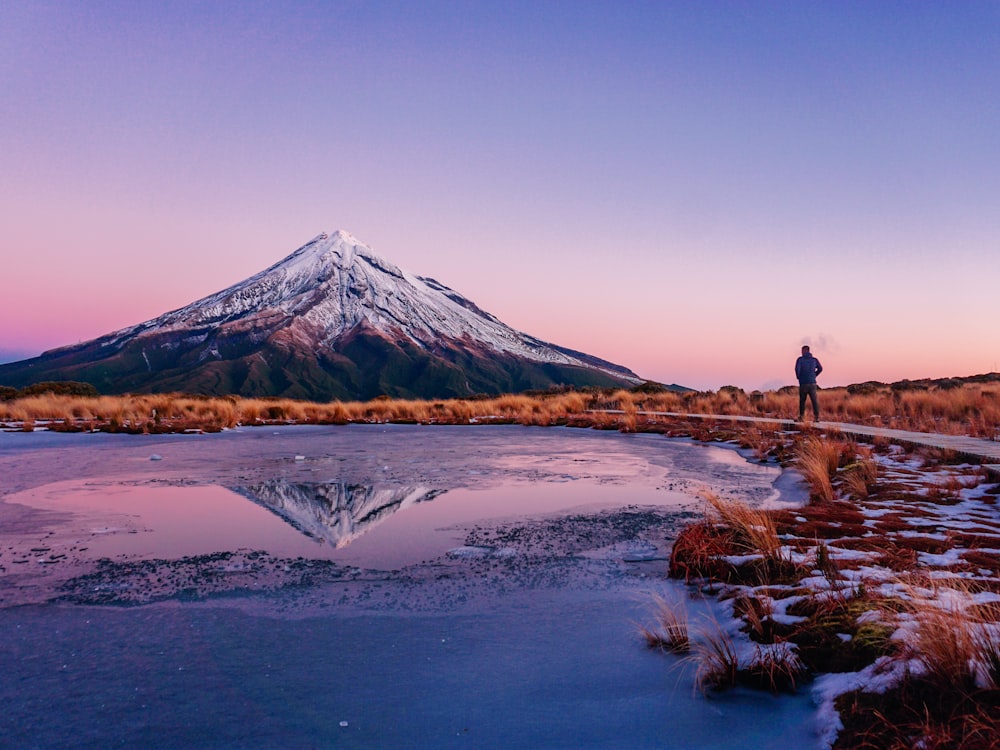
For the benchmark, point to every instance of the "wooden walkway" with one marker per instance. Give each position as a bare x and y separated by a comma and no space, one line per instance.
981,449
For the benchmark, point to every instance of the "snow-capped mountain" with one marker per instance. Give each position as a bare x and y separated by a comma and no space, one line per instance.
332,320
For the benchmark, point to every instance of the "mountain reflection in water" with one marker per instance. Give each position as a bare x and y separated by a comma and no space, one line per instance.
333,512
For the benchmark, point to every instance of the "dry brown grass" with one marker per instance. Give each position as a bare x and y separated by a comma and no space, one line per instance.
826,566
917,715
973,408
715,656
775,667
670,629
954,646
160,411
858,478
818,459
757,612
987,649
762,441
697,550
754,530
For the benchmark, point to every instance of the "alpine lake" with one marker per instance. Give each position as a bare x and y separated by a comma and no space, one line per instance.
365,586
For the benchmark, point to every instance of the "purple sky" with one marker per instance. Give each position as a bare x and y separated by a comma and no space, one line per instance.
689,189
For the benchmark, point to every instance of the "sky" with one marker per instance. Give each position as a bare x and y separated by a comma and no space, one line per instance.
690,189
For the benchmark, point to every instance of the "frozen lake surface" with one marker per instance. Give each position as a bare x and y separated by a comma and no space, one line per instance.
361,586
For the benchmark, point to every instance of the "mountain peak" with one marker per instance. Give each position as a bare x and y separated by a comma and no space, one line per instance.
339,250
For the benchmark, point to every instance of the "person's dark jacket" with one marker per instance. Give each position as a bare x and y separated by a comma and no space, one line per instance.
807,367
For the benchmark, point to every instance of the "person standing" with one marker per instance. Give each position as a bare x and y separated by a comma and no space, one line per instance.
807,367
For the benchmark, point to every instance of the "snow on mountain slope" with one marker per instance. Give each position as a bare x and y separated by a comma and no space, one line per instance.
334,284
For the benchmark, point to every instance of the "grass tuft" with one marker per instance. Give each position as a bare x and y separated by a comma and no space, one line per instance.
715,656
697,550
826,565
670,632
754,530
775,667
817,460
859,478
951,645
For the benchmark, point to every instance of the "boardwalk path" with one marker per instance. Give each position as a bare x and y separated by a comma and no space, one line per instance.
985,450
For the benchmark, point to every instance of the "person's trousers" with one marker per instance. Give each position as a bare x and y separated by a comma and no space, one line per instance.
810,390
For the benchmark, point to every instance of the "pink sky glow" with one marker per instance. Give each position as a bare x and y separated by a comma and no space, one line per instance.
691,191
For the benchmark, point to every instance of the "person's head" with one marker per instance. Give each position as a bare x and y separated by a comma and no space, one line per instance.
805,350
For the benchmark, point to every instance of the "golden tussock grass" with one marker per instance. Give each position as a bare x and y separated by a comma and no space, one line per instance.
715,656
697,551
775,667
157,411
670,629
762,441
952,701
827,567
859,478
817,459
757,612
754,529
958,650
970,409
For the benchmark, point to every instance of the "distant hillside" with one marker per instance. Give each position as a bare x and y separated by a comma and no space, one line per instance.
925,383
